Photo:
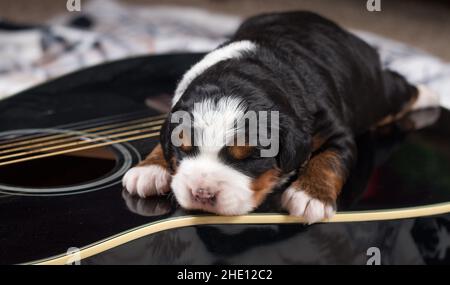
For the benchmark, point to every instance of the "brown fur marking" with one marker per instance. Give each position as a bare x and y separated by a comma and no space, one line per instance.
317,142
394,117
322,178
156,157
240,152
186,145
263,184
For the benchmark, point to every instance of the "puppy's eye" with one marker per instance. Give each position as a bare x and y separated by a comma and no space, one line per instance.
240,152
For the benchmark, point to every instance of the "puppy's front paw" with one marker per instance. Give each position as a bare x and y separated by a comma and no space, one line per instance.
298,203
147,180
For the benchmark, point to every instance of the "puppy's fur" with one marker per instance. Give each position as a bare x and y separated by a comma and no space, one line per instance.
328,86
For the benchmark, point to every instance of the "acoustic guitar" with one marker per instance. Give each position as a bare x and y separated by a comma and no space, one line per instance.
65,145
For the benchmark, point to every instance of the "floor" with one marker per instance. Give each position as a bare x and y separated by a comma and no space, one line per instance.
424,24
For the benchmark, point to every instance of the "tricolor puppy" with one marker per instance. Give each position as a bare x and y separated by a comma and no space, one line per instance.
325,84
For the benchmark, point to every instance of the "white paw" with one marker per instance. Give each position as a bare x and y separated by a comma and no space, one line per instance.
147,180
300,204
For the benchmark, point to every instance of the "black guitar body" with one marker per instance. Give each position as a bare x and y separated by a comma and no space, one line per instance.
65,145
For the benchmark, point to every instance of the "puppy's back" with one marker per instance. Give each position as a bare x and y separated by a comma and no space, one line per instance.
348,68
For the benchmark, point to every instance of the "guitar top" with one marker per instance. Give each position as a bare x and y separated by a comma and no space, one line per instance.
65,145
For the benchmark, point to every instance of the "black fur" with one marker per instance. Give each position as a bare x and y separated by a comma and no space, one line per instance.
323,80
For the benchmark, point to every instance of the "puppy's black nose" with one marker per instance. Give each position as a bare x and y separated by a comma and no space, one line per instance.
204,195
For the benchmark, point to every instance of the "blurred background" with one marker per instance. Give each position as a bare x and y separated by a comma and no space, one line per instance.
41,40
424,24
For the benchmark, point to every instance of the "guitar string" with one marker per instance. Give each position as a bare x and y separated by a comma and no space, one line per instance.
83,124
96,128
62,135
80,142
80,148
88,132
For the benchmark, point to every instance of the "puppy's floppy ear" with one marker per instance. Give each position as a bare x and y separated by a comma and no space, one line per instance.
164,137
295,148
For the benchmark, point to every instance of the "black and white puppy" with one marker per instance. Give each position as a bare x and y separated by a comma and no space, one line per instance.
327,86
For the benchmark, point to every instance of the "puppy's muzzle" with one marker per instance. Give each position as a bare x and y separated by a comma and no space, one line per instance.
204,196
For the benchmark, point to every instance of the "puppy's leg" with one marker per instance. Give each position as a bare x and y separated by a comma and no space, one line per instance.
404,98
150,177
426,98
313,195
423,111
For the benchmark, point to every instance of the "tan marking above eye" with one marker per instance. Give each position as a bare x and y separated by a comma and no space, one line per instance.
186,145
186,148
240,152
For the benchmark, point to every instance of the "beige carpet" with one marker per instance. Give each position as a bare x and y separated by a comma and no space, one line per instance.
424,24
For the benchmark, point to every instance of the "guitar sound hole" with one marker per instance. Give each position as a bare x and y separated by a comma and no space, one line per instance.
60,171
60,162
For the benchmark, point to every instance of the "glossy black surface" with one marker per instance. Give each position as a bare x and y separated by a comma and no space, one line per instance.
62,170
408,241
395,169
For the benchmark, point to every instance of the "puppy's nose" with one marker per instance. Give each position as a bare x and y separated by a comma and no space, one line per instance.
204,195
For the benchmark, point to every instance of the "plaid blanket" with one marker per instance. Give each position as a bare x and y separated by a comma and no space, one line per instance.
106,30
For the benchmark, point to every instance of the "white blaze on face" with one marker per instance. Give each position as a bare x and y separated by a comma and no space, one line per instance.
230,51
203,181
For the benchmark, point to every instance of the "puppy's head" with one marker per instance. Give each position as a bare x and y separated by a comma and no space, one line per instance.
222,160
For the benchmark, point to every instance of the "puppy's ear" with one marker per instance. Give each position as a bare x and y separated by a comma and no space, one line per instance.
164,137
295,148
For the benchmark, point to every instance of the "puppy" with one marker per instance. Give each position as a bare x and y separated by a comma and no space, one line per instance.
325,85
